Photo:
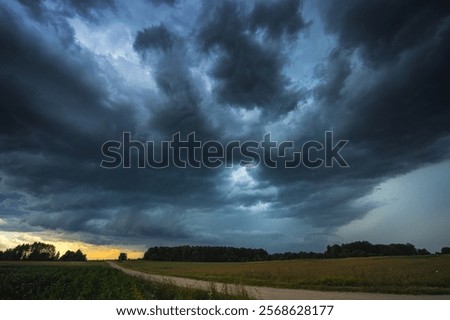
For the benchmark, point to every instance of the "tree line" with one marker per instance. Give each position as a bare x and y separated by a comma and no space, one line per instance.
232,254
366,249
356,249
39,251
205,254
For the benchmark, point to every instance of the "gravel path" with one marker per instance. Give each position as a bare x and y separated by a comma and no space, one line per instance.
267,293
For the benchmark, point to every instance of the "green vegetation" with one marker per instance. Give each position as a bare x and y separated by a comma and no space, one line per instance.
73,256
39,251
231,254
86,280
35,271
205,254
122,256
366,249
402,275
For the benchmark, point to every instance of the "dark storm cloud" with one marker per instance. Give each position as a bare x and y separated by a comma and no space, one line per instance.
384,87
137,220
35,7
393,108
248,73
55,115
278,18
166,2
383,30
180,109
51,129
325,202
337,71
61,102
90,9
406,109
157,37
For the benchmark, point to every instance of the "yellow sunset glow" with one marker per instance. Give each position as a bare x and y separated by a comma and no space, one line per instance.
92,251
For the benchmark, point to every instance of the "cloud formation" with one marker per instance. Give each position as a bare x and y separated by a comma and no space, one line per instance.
248,71
226,71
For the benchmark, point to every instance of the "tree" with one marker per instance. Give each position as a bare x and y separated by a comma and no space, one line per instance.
37,251
445,250
73,256
205,254
423,252
20,252
123,256
334,251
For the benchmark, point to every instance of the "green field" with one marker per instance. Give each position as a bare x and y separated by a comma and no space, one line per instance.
402,275
85,280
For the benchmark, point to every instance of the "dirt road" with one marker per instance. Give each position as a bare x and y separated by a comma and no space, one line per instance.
266,293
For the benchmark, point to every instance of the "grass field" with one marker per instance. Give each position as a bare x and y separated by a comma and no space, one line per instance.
402,275
85,280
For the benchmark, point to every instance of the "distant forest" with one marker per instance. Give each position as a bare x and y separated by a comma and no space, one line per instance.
39,251
231,254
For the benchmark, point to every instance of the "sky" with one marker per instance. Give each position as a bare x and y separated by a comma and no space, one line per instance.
76,74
